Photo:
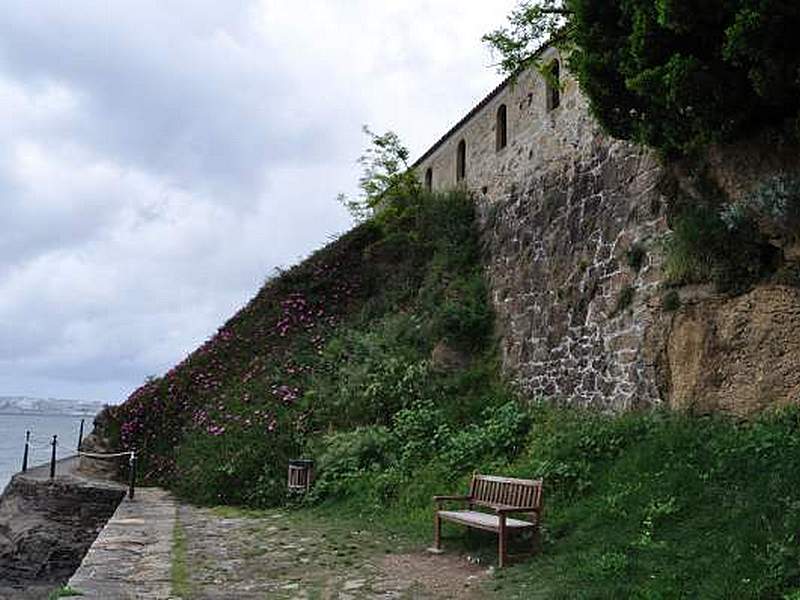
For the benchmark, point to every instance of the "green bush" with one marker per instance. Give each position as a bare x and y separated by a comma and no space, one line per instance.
635,257
497,437
369,376
674,75
624,299
463,317
773,207
345,457
705,248
241,466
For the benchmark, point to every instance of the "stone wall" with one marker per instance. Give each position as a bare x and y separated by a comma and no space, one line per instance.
562,208
573,221
46,527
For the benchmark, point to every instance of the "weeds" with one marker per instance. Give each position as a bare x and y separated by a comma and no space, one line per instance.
704,247
64,592
179,571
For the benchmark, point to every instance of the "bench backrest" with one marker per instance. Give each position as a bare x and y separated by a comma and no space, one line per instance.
489,490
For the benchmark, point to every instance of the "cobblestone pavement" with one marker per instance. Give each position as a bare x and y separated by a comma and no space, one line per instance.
282,555
154,548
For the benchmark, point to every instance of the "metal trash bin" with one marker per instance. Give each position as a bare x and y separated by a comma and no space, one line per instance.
301,475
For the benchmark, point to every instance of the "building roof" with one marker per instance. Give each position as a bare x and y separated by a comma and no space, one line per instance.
466,118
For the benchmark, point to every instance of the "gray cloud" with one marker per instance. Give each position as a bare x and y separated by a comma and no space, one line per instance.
159,159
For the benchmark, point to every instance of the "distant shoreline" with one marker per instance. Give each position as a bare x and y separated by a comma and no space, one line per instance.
35,413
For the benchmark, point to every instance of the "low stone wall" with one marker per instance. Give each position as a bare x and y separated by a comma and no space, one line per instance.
47,526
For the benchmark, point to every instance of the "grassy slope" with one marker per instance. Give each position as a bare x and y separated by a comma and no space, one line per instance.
332,359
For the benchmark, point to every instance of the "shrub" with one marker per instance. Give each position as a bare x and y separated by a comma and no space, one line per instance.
231,467
343,457
671,75
419,432
370,375
463,317
774,207
703,248
499,435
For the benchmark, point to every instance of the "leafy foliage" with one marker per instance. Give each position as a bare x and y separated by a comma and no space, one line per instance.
671,74
341,342
639,506
774,207
386,177
703,247
636,505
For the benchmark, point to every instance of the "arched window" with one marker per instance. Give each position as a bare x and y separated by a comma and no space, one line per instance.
501,129
429,179
461,161
554,85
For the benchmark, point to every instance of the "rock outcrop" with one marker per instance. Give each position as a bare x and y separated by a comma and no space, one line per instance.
47,526
736,355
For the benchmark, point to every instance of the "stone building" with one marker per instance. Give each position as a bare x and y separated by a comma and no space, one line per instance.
572,221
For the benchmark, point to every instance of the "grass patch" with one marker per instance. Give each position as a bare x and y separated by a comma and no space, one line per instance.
179,571
704,247
636,506
64,592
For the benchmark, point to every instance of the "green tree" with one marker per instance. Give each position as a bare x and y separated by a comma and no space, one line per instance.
672,74
386,178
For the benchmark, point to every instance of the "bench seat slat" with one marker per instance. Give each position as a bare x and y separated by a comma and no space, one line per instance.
481,520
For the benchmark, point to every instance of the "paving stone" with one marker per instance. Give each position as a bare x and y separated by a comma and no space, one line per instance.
131,558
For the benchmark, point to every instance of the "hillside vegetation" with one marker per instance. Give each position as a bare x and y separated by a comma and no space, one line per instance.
376,357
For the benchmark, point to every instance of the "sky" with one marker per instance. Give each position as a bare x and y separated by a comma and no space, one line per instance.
159,159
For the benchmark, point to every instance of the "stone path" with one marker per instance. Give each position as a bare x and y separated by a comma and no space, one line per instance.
286,555
156,549
131,559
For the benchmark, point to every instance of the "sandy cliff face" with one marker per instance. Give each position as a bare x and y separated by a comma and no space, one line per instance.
736,355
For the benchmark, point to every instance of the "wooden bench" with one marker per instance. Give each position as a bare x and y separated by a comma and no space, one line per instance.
501,495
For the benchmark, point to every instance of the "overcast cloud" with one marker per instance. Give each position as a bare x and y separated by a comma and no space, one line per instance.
159,158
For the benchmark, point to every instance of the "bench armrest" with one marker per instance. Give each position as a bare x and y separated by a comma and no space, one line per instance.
501,509
440,499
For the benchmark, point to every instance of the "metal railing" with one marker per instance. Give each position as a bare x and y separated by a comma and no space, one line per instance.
36,443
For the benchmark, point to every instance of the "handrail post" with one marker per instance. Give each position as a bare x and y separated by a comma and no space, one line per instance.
53,457
132,474
80,436
26,452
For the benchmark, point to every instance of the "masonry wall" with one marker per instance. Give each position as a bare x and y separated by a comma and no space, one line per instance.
562,208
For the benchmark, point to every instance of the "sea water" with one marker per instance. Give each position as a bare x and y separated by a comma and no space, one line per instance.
42,428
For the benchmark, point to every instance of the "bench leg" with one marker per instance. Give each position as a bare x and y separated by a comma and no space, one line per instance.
437,531
502,542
